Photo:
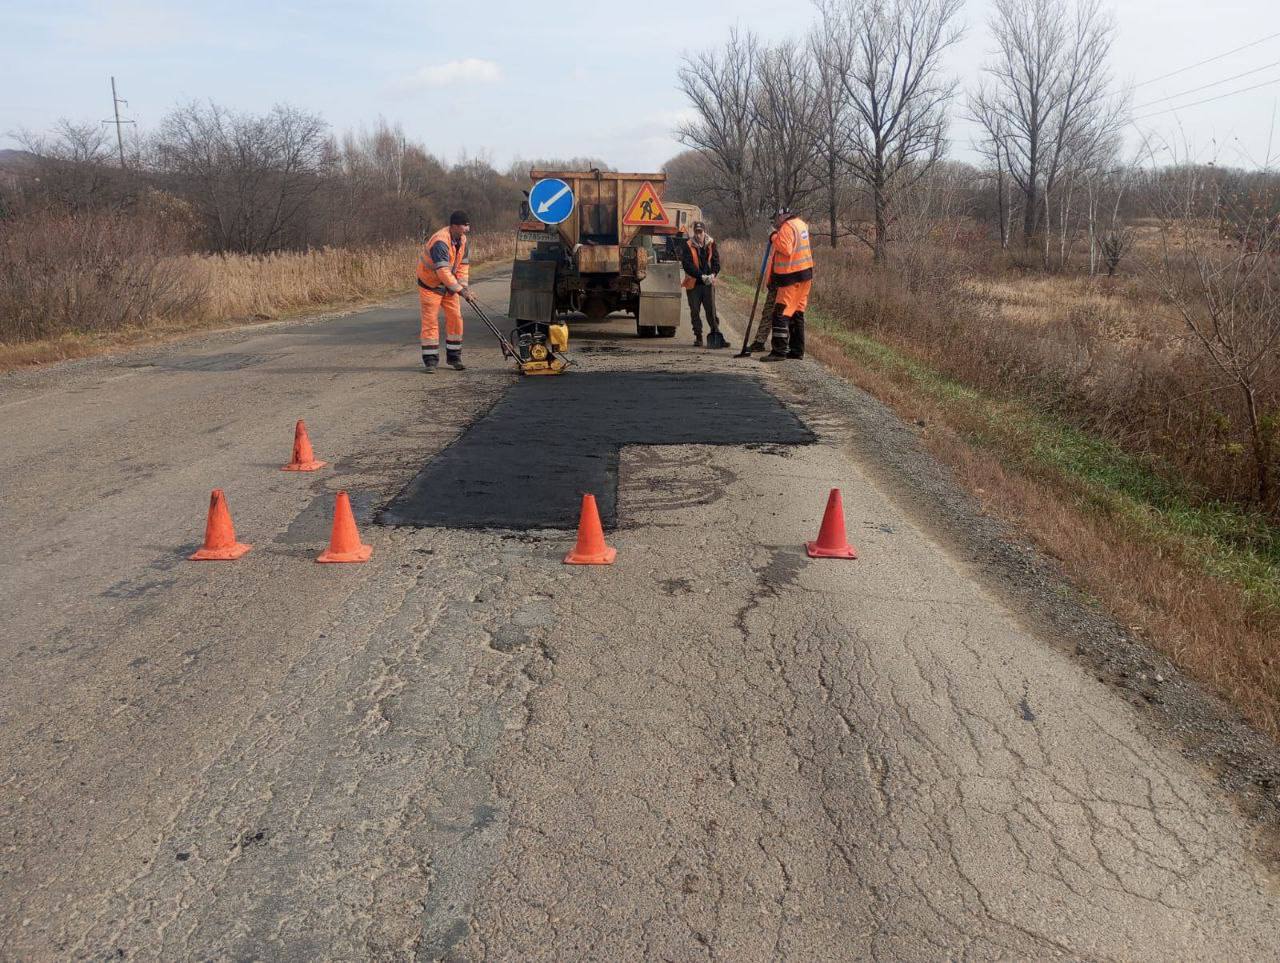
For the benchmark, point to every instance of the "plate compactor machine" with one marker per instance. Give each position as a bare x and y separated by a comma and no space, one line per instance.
537,347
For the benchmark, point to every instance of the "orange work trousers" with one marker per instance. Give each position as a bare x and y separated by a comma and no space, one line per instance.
431,303
794,298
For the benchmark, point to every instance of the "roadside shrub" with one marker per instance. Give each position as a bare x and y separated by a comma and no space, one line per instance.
95,272
88,271
1105,353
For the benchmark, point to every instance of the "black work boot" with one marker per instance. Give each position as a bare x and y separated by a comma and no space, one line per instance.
781,330
430,362
796,349
697,339
757,345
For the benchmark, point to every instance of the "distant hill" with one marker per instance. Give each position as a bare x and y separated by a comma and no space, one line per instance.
16,160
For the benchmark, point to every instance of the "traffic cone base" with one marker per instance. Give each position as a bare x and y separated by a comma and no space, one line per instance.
220,543
832,541
591,548
230,553
304,459
344,542
361,554
587,558
817,551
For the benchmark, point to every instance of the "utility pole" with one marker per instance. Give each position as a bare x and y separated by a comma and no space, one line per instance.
115,106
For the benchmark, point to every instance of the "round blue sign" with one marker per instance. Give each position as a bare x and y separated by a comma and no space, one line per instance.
551,200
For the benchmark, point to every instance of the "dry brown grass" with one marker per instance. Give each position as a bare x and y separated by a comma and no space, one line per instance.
53,308
1107,354
1103,358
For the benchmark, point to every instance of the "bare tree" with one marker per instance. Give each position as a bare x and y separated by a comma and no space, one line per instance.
831,132
888,57
70,142
691,176
1110,238
251,177
722,87
1228,299
786,105
1048,102
73,165
994,147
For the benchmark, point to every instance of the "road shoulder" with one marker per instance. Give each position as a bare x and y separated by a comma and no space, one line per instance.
1175,709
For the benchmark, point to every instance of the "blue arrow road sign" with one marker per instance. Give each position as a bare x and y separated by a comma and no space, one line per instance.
551,200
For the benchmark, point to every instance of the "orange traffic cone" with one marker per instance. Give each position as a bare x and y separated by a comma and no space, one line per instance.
219,534
832,541
304,459
344,543
591,549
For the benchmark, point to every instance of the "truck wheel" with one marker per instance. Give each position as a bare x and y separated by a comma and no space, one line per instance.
666,332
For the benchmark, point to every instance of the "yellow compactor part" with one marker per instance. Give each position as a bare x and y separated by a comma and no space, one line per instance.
549,367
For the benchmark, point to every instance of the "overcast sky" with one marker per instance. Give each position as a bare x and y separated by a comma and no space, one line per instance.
579,77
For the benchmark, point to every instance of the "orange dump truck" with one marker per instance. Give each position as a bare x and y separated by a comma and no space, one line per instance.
608,255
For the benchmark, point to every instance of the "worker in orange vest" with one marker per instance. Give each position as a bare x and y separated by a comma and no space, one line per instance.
701,262
790,271
444,271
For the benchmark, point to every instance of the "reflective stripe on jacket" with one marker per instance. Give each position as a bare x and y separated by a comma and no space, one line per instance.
792,257
443,265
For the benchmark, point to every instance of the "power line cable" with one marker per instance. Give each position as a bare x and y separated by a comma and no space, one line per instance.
1183,70
1209,100
1216,83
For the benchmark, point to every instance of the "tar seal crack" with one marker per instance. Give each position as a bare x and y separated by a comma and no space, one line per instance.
1025,711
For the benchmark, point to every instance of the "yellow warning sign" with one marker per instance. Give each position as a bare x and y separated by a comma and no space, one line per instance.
646,210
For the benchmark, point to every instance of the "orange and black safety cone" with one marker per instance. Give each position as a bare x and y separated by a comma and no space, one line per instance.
220,543
832,541
304,459
344,543
591,549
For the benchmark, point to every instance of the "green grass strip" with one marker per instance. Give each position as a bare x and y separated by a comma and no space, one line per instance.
1241,546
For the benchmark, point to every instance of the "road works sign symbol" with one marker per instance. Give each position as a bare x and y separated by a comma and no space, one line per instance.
646,210
551,200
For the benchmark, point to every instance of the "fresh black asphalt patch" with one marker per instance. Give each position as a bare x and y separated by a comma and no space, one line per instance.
527,462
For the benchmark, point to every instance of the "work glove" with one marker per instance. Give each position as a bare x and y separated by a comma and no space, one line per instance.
706,279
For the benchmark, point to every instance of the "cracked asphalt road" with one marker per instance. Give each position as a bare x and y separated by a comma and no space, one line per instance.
714,749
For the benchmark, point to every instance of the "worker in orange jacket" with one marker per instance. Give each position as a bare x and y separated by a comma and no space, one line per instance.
444,272
790,271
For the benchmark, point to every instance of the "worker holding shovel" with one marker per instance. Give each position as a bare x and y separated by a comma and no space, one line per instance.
790,271
701,262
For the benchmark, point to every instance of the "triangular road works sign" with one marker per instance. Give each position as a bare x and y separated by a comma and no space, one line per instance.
646,210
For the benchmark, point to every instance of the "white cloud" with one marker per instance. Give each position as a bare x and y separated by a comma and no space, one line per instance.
466,72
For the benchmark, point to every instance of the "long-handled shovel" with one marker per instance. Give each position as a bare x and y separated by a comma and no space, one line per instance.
715,339
746,335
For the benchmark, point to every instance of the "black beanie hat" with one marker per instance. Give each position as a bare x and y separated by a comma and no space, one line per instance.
459,217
